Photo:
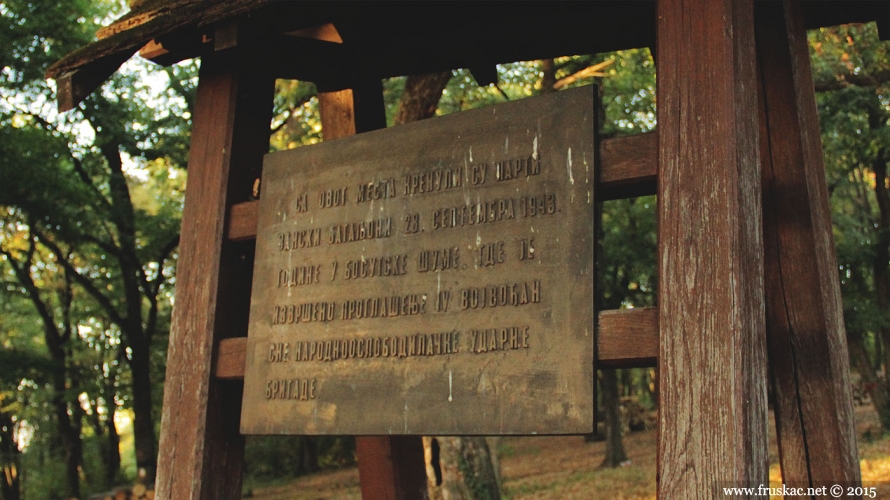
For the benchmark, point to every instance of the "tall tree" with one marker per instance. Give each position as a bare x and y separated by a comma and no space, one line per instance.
851,68
80,185
21,360
54,307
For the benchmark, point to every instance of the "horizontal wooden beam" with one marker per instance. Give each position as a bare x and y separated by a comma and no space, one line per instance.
627,338
243,221
231,359
628,168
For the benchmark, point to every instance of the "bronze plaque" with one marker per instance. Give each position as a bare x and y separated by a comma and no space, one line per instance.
432,278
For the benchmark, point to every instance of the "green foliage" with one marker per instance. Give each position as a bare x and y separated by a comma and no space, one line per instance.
479,489
276,457
854,113
296,121
35,34
91,218
99,192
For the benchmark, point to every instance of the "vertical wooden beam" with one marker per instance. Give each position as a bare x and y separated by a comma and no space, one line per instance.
712,365
390,467
805,328
201,448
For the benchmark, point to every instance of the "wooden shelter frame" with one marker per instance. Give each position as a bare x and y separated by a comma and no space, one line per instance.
748,288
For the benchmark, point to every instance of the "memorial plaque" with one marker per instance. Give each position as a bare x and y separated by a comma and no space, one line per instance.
432,278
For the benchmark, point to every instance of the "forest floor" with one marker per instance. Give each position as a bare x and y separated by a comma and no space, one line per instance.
539,468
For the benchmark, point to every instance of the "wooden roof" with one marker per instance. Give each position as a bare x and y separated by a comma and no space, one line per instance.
333,43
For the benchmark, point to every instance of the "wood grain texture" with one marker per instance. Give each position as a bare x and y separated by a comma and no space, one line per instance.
242,225
337,110
200,447
712,357
627,338
231,359
391,467
804,314
628,164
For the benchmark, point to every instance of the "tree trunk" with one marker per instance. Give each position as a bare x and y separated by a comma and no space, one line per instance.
109,447
309,454
615,454
466,469
548,80
69,434
10,460
626,387
881,260
421,97
143,423
645,381
876,388
112,450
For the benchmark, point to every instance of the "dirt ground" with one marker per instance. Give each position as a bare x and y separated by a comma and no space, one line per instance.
566,468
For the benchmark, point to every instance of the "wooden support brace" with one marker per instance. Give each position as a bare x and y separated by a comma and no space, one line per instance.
712,359
201,448
75,86
804,314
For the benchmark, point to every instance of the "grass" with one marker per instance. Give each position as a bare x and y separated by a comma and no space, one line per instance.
567,468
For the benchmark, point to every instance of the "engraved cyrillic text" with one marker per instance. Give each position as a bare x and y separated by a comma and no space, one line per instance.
328,198
293,240
372,267
507,294
373,191
394,346
433,181
299,276
310,312
491,254
517,168
384,307
498,339
294,388
359,231
301,203
438,260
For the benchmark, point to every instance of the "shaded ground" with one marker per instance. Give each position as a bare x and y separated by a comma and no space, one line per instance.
567,468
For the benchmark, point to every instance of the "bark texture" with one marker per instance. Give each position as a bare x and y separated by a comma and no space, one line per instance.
615,453
421,97
465,469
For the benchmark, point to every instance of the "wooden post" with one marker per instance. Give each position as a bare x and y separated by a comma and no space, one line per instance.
805,328
712,364
201,448
390,467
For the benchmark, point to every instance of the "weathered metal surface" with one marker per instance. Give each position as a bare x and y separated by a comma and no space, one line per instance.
432,278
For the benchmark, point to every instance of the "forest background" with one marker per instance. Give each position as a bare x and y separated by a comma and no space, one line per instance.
91,200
